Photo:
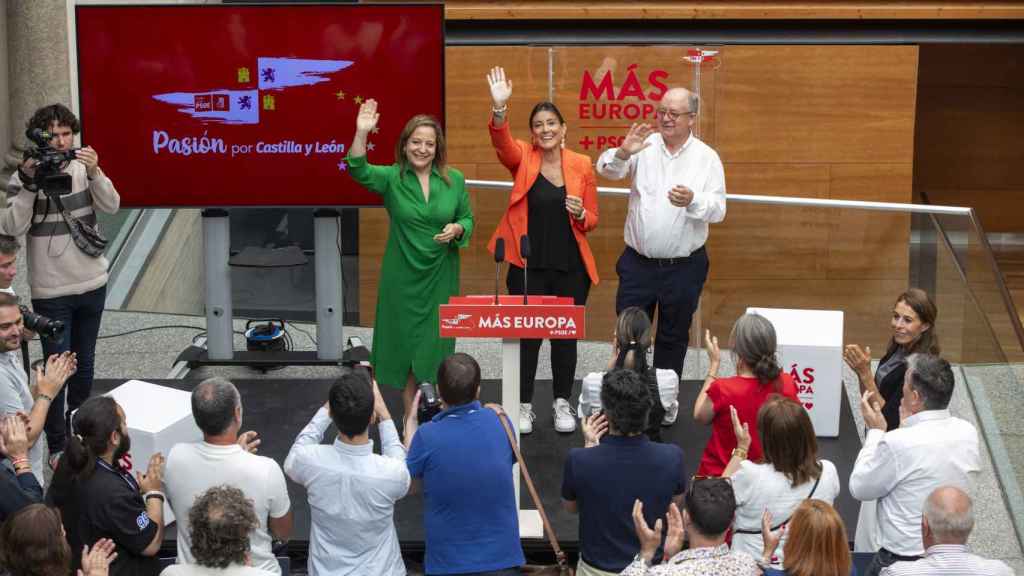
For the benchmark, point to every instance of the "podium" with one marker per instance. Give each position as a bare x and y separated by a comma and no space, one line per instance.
509,318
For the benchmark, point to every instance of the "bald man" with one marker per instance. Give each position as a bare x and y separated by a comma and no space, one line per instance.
678,188
945,526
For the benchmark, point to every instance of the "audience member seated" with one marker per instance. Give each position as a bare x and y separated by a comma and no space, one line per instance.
816,542
224,457
630,344
709,507
32,543
18,485
789,474
97,499
463,456
220,523
617,466
758,375
946,523
901,467
15,393
355,533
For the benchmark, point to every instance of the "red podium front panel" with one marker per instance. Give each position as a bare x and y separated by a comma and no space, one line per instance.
551,317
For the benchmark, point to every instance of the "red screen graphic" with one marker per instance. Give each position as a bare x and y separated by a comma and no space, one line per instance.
220,106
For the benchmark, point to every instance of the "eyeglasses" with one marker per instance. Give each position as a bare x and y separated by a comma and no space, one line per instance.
671,114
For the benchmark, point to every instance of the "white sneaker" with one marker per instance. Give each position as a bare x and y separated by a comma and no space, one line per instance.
670,415
565,418
526,418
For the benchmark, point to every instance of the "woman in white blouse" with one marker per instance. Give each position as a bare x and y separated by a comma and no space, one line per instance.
791,472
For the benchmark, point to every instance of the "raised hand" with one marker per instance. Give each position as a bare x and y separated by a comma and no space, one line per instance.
367,118
858,359
154,475
873,417
59,367
676,531
501,88
769,538
635,140
741,430
714,354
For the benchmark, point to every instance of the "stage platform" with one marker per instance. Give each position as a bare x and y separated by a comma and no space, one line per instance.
278,409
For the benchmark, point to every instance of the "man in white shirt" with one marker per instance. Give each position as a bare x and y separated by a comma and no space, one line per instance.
678,188
945,526
900,468
224,457
352,491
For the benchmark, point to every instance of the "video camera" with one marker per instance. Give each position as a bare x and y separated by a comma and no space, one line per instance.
41,325
49,161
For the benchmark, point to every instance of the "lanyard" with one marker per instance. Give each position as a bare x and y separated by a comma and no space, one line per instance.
124,475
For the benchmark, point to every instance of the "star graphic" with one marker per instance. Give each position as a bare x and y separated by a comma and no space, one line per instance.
375,130
340,94
359,100
370,146
342,166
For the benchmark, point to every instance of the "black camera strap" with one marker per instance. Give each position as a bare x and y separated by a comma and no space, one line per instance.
87,237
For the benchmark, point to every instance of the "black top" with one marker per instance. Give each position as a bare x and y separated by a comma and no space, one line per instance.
17,491
106,504
891,389
552,244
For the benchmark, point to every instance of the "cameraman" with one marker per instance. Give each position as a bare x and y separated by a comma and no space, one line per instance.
66,283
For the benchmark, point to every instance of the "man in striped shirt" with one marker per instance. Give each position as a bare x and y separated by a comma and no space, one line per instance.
947,522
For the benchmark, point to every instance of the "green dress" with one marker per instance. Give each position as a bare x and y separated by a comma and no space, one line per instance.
417,274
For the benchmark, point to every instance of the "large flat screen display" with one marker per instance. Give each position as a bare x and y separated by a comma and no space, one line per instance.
219,106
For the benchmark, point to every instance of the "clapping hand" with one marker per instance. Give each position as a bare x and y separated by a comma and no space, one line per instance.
769,538
680,196
859,360
450,232
714,353
501,88
59,367
249,441
635,139
649,538
367,118
873,417
676,531
741,430
96,562
594,427
13,437
154,475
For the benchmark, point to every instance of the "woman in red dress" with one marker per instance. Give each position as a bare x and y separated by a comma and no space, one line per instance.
758,375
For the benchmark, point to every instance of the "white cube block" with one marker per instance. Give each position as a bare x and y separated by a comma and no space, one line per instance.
158,417
810,348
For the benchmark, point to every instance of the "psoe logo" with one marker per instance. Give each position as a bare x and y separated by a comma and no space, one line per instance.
453,322
633,99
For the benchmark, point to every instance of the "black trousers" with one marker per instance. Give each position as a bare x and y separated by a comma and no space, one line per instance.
883,558
574,283
670,285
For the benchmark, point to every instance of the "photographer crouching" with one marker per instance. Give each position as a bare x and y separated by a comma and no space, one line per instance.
52,200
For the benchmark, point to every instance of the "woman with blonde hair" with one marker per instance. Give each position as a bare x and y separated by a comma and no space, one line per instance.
816,546
430,220
758,375
789,475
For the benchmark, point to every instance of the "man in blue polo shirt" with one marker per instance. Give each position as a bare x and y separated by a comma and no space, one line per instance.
464,460
603,479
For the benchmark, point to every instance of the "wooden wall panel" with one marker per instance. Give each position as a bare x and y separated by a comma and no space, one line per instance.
810,121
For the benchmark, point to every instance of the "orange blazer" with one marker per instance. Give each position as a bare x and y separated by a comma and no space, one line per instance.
523,161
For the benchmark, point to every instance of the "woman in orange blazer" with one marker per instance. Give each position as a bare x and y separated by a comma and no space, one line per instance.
554,202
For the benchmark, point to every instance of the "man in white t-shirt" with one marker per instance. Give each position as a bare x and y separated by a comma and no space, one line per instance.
224,457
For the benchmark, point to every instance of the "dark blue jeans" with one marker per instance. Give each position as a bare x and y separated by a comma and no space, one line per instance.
673,287
81,314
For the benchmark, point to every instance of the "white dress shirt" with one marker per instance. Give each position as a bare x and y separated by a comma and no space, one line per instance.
949,560
352,494
654,227
900,468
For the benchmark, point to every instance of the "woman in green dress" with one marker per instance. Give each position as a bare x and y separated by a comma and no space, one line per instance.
430,219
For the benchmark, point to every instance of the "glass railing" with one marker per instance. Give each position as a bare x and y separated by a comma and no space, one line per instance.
857,257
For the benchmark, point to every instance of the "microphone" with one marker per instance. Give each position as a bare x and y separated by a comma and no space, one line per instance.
499,257
524,251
